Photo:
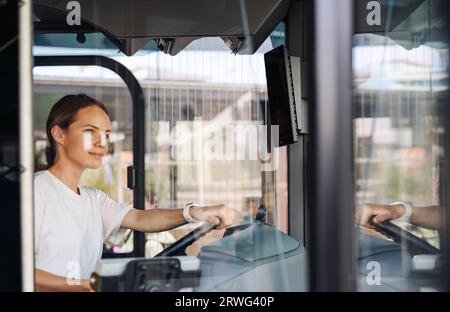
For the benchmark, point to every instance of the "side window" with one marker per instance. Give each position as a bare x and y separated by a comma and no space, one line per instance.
400,84
51,84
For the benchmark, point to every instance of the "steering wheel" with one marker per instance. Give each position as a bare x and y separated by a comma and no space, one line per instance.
414,244
177,248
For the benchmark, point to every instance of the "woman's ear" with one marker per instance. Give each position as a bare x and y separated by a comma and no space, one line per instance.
57,134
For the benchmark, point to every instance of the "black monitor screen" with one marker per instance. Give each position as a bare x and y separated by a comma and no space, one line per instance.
281,94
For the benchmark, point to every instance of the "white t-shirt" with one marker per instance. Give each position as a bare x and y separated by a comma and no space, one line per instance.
69,228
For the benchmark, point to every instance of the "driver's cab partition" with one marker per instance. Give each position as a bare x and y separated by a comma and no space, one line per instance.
193,95
138,129
401,137
177,94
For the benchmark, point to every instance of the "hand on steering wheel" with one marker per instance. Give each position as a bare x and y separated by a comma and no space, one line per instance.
415,245
220,215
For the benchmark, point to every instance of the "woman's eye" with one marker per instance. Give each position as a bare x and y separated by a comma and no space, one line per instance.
89,131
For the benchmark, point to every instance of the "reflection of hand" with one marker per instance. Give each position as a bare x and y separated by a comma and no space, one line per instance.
217,214
371,232
379,213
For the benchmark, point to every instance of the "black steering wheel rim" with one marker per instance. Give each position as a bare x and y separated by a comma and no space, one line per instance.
414,244
180,245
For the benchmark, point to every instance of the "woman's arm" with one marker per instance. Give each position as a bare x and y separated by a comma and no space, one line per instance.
158,219
50,282
428,217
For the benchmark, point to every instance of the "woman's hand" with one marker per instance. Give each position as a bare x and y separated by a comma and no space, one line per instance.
377,214
217,214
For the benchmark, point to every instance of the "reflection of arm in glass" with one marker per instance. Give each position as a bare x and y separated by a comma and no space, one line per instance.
428,216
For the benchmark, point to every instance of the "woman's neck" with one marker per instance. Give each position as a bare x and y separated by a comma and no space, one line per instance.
69,175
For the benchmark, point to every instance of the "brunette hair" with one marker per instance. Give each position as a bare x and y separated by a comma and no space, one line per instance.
63,114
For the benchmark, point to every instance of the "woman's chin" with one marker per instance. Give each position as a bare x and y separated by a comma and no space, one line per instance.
94,164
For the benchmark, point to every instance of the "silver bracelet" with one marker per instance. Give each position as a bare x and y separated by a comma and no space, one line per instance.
186,214
408,210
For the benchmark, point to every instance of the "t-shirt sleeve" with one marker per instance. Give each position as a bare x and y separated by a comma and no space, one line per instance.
112,213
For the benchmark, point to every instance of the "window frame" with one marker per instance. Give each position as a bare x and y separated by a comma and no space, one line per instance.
135,177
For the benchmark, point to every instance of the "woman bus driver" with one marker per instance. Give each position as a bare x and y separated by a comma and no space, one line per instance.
72,221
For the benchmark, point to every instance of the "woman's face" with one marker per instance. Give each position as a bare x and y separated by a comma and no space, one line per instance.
85,141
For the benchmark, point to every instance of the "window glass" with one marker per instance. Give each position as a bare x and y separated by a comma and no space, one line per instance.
203,89
51,83
400,84
204,106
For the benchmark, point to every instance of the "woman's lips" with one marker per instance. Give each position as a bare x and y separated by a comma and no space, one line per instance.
97,155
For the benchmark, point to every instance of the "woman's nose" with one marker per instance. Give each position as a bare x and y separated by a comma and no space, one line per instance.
101,139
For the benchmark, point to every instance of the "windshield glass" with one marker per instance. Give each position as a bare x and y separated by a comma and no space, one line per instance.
397,152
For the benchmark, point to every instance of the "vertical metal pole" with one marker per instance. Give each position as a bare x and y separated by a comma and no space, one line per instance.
297,152
331,217
445,175
26,143
138,159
